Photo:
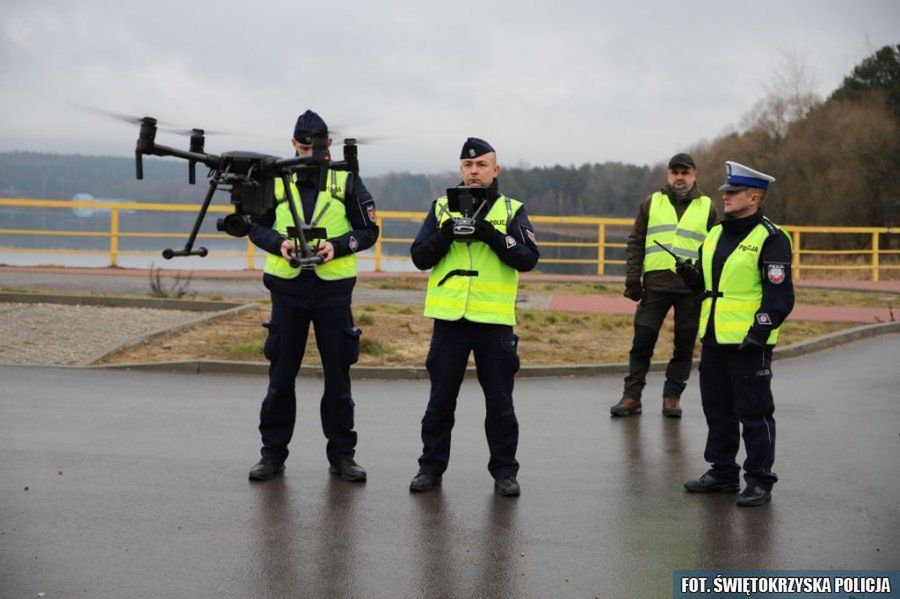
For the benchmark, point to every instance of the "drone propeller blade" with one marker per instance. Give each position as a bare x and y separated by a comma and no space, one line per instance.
109,114
369,139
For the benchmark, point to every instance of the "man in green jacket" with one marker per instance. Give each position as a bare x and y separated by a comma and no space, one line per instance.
678,217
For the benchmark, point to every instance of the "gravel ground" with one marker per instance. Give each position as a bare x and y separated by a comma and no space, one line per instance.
58,334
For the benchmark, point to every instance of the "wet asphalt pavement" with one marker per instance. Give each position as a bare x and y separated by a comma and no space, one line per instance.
136,487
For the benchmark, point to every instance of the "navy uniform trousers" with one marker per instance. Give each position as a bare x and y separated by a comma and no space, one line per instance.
496,363
338,341
736,391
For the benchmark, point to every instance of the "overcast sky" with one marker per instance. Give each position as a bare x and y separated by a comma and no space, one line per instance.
544,82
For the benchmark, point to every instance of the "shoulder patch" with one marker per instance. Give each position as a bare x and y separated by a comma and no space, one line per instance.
775,273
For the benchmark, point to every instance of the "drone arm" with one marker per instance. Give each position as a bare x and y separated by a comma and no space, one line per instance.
210,160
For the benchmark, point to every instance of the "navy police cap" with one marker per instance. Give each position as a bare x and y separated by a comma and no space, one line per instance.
308,124
474,147
741,177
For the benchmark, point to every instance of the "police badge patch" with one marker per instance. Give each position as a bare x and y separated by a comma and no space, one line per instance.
510,241
763,318
775,273
370,210
354,245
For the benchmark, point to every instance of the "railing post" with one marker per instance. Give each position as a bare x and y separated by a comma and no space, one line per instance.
250,264
875,261
796,260
379,221
601,248
113,236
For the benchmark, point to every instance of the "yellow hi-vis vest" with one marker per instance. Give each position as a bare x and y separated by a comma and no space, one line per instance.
684,237
482,287
333,219
739,292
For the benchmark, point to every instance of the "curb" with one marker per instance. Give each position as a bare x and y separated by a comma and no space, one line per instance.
405,373
117,301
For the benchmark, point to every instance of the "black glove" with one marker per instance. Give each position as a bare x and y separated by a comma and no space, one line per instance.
634,291
751,343
486,232
689,273
446,231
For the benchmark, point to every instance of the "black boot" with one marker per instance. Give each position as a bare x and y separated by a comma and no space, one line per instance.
348,470
424,482
507,487
709,484
753,496
266,469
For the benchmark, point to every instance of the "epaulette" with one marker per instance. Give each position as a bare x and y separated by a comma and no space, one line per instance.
770,226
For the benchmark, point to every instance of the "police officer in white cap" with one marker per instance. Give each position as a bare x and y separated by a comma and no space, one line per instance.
745,271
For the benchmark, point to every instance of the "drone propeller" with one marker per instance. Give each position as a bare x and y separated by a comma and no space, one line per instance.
118,116
368,140
161,125
190,132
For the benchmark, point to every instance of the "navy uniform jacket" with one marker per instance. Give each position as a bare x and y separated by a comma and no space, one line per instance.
307,290
428,247
774,258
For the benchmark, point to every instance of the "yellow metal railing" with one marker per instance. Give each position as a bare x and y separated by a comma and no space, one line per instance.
378,255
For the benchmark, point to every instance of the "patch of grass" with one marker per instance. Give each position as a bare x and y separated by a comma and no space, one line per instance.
373,347
839,297
400,336
246,350
216,297
365,318
400,283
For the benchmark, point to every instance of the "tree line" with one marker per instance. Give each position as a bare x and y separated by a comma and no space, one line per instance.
836,160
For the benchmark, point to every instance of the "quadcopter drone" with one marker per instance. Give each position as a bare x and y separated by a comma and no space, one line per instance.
250,179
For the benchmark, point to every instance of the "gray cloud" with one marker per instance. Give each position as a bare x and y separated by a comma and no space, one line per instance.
546,82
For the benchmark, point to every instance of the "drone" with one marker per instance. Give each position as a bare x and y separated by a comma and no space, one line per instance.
249,177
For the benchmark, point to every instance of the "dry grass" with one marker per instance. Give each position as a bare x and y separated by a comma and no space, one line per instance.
400,335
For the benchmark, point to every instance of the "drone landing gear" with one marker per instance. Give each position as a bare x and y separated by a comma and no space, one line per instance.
189,250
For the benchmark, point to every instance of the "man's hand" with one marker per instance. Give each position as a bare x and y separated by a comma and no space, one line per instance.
750,343
326,250
485,231
634,292
689,273
446,230
287,248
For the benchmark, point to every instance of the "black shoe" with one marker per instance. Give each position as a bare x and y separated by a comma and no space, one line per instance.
266,469
754,495
348,470
709,484
424,482
507,487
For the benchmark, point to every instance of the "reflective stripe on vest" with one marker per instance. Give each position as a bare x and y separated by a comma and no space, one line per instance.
333,219
455,291
740,286
684,237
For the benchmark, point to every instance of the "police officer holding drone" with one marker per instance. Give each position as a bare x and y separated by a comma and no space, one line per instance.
319,295
475,258
745,272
